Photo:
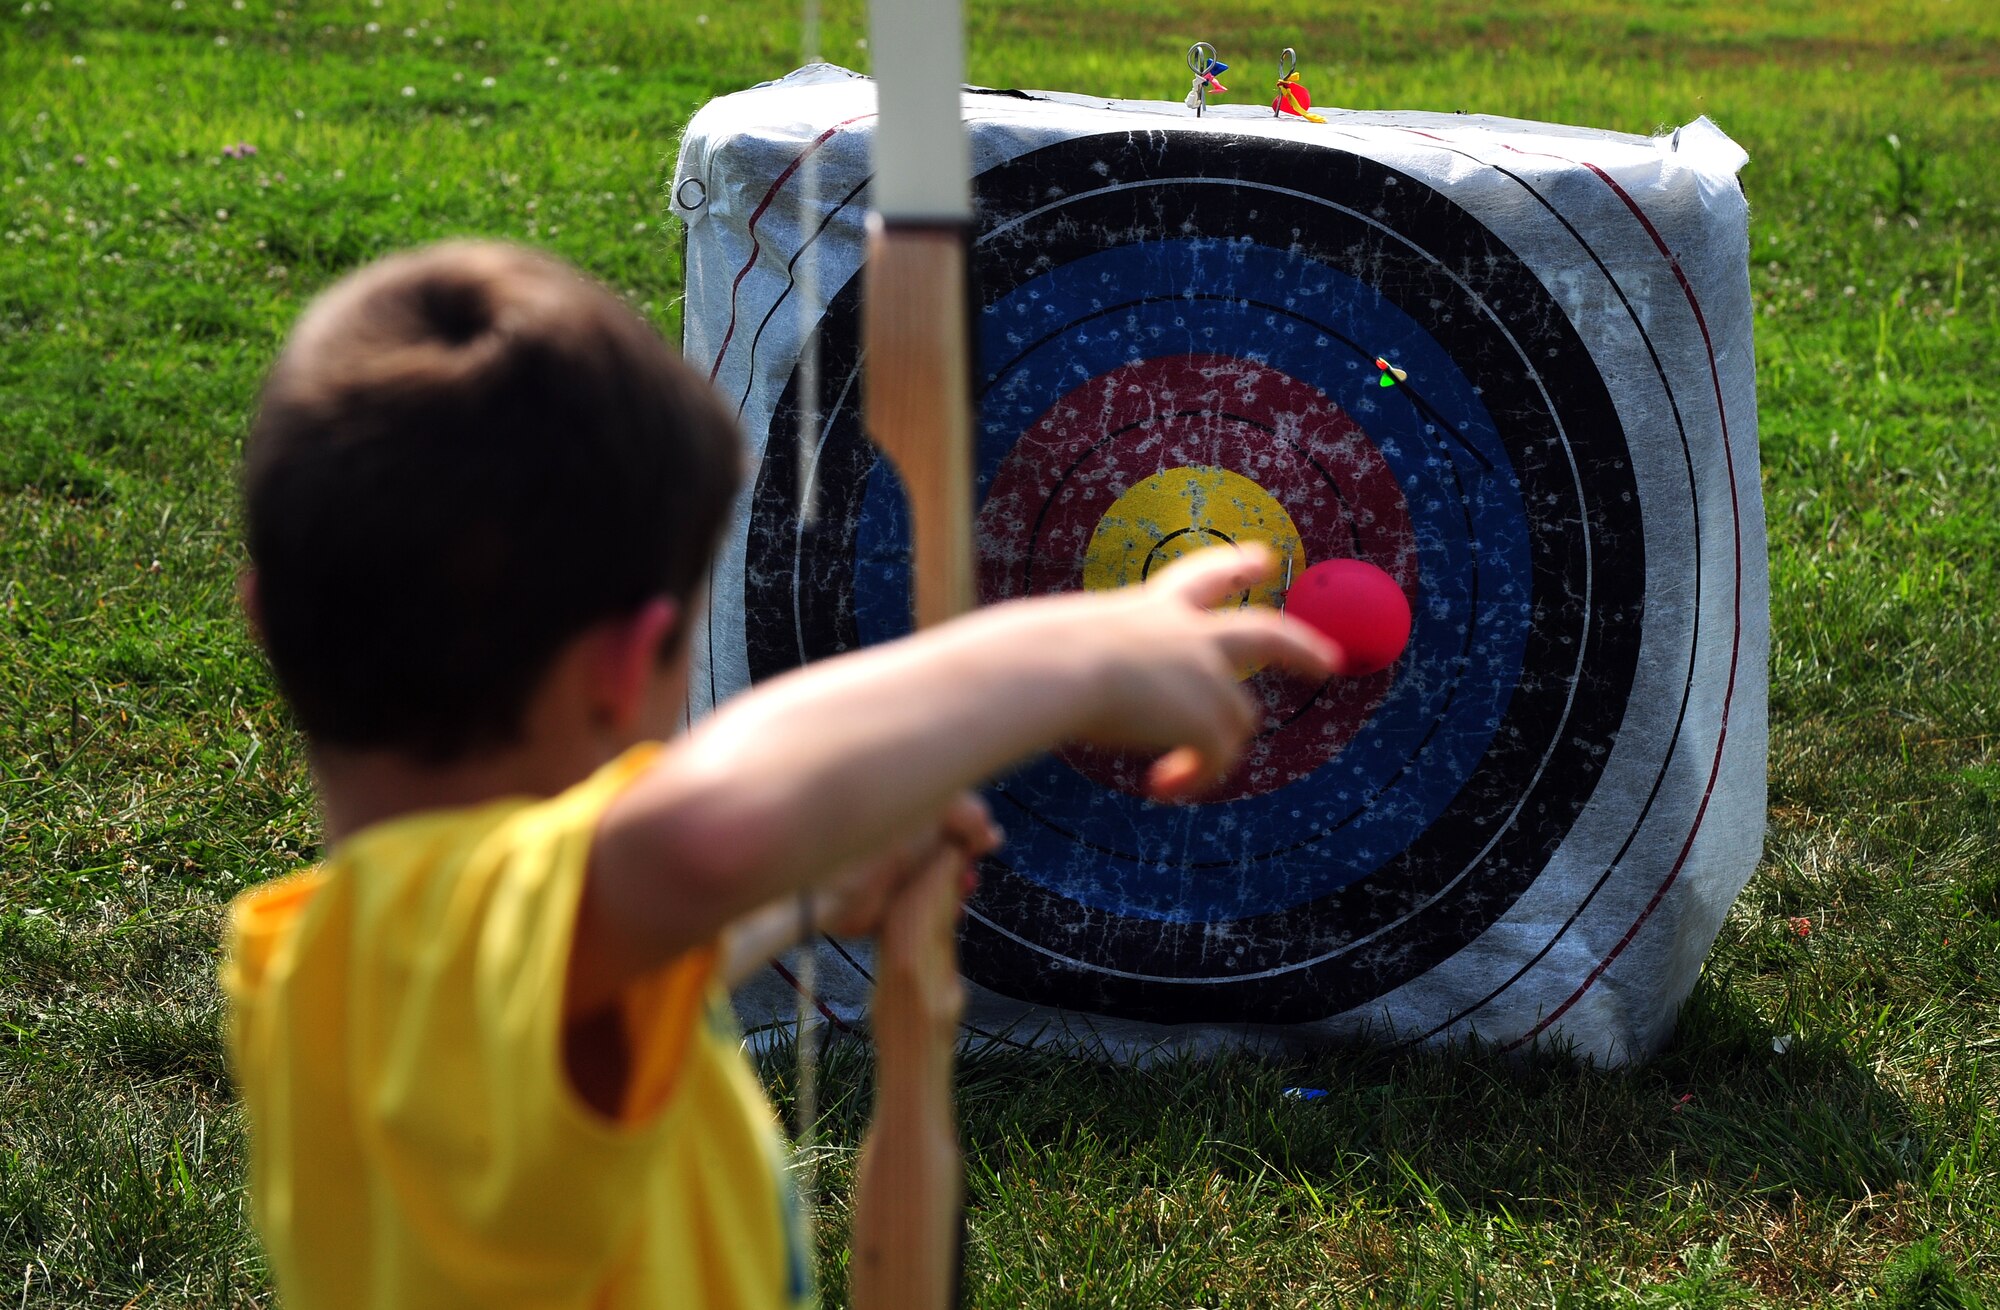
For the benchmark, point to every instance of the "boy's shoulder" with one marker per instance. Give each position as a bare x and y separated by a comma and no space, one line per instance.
397,879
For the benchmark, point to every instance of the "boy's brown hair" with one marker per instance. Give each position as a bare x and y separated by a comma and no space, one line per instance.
465,456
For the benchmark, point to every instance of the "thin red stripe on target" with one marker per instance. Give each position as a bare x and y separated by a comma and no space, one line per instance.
1736,626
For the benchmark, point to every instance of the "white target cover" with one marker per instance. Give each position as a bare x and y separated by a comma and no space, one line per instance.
1527,830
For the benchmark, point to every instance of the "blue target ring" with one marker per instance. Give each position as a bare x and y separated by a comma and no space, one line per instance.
1306,320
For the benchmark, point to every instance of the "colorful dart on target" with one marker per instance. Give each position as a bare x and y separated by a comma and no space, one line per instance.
1391,375
1292,97
1206,68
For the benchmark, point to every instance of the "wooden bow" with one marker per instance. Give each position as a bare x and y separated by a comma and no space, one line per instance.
917,403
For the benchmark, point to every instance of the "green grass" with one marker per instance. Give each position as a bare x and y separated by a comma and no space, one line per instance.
147,770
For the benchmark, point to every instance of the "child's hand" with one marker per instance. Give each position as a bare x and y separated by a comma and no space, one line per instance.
919,998
1171,665
854,904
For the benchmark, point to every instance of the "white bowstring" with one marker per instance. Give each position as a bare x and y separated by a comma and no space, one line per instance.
806,290
804,965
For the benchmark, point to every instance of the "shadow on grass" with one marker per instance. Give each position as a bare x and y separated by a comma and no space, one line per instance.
1456,1133
1462,1131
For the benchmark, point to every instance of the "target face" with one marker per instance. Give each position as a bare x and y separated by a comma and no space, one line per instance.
1177,346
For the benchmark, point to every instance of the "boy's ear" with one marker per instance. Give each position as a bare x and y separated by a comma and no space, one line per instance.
630,651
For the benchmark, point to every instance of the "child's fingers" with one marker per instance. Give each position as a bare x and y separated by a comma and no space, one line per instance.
1185,773
1260,638
918,994
1178,775
1209,577
856,907
918,923
944,882
968,826
968,883
1215,742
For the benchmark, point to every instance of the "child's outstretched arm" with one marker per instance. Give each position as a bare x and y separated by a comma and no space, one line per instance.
788,783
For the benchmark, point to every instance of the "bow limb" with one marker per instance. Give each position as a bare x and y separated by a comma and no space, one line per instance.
917,401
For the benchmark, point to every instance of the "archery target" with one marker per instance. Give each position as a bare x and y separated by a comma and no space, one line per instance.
1177,344
1533,821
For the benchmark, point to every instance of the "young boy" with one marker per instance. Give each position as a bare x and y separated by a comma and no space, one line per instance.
485,1047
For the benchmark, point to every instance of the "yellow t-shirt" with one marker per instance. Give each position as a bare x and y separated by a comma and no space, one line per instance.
395,1026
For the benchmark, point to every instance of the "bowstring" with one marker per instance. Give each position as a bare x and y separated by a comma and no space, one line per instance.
805,1045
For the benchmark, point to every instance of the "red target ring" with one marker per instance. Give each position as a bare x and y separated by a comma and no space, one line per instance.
1173,419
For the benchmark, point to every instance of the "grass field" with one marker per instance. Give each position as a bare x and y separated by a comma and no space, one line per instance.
147,772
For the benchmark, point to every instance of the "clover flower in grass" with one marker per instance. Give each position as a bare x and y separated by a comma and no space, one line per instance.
241,150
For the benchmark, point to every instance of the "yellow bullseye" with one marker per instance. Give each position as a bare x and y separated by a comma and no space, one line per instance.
1184,509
